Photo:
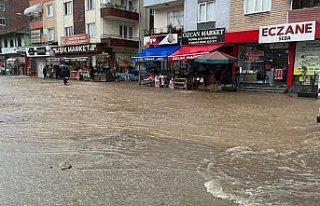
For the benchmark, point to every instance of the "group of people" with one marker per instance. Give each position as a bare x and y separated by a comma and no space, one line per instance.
10,70
61,72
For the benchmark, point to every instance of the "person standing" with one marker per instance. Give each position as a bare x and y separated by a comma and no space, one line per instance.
65,74
45,72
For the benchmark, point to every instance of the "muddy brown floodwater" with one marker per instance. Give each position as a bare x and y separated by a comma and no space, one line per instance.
120,144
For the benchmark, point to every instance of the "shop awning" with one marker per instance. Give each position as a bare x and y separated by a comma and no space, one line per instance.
159,53
216,57
187,52
32,9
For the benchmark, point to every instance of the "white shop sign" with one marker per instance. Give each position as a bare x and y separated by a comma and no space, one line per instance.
301,31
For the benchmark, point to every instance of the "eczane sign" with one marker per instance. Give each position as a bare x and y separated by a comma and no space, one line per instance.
301,31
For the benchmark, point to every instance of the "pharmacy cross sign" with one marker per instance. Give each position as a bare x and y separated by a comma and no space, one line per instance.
301,31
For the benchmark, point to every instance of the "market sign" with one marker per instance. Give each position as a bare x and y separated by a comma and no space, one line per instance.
75,39
203,36
165,39
75,49
301,31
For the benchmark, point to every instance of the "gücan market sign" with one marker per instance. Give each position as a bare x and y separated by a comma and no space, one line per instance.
302,31
203,36
75,49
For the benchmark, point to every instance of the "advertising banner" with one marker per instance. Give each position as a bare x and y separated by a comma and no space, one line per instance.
75,39
301,31
75,49
307,60
165,39
203,36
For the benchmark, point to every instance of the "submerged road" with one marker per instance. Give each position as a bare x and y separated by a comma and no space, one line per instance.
120,144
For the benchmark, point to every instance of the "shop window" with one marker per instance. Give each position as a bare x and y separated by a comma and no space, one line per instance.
49,8
90,4
91,29
175,18
19,42
3,21
50,34
68,8
263,64
206,12
256,6
299,4
2,6
68,31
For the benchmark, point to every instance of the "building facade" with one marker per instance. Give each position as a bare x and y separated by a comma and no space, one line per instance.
14,35
276,42
101,33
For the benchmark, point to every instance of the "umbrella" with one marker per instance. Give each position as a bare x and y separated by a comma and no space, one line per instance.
216,57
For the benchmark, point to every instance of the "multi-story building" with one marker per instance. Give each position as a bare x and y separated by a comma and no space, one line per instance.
14,34
86,33
274,41
43,34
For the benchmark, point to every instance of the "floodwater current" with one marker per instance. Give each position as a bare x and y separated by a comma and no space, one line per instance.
131,145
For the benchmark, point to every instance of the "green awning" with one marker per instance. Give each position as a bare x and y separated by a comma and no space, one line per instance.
216,57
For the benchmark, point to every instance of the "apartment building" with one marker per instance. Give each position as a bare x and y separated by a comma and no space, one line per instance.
14,34
43,34
83,33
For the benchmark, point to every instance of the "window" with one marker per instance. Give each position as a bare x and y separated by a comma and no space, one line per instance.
175,18
11,43
19,41
256,6
50,34
3,21
68,8
90,4
68,31
151,12
299,4
2,6
5,43
91,29
126,32
206,12
49,10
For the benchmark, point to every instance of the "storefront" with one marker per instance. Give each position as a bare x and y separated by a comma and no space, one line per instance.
80,58
270,56
195,44
38,59
153,60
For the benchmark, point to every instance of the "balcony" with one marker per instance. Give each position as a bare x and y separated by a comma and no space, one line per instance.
159,4
304,14
116,11
113,40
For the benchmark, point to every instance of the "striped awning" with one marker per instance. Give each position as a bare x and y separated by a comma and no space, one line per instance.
33,9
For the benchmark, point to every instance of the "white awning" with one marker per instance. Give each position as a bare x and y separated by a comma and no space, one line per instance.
33,9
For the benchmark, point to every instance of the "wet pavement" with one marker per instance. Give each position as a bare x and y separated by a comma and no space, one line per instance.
119,144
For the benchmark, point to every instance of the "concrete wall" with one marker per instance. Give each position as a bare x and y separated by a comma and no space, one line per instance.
191,15
160,16
49,22
150,3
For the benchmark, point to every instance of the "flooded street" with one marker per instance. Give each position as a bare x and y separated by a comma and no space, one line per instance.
120,144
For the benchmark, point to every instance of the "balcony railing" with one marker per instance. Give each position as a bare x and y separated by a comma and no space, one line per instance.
116,36
115,5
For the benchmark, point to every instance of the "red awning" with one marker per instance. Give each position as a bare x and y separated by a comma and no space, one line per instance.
187,52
